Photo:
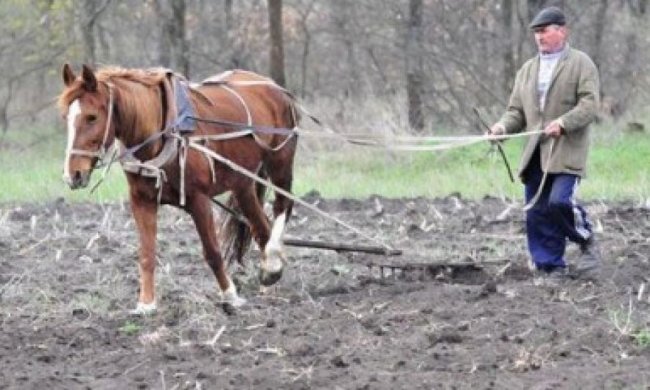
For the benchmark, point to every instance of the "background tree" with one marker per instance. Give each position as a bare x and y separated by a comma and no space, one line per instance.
277,47
89,14
414,74
173,50
32,42
370,61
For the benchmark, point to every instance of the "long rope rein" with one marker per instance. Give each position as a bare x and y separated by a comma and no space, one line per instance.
238,168
394,142
415,143
542,183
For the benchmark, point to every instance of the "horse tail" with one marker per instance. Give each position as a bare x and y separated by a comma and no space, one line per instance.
235,235
293,110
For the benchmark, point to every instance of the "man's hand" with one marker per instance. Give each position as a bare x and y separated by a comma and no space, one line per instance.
496,130
553,129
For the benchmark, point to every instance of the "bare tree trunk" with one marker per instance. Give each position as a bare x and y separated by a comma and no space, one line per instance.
229,34
173,49
227,8
4,107
277,49
88,32
637,7
304,60
630,59
343,14
304,26
234,59
509,66
414,76
598,34
180,58
533,8
90,11
164,49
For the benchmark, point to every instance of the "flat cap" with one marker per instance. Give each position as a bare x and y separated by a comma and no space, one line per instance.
547,16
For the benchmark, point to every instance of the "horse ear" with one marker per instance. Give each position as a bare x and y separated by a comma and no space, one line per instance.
90,82
68,75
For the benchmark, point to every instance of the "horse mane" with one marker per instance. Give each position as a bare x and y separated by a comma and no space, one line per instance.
138,93
151,77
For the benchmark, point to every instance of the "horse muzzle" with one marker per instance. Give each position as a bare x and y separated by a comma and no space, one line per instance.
77,179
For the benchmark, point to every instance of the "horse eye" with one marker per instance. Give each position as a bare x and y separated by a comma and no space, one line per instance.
91,118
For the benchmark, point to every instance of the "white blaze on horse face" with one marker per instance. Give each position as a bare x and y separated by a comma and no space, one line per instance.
274,248
73,112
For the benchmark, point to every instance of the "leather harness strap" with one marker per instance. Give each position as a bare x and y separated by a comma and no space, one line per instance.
176,143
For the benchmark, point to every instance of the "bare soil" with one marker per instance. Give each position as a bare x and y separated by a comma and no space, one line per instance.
68,278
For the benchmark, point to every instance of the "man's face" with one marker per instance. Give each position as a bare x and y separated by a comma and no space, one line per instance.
550,39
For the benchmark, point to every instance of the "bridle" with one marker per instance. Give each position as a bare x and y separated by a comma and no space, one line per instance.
100,153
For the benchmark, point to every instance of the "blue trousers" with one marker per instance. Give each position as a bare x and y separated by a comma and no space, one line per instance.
555,217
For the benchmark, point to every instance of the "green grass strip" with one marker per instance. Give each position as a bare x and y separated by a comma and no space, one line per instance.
619,169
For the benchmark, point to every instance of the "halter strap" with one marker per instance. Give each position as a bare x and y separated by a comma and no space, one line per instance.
101,152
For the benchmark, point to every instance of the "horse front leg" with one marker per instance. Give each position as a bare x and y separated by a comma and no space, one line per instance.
200,208
145,213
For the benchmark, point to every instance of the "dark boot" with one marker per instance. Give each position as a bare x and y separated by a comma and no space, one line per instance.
553,278
588,265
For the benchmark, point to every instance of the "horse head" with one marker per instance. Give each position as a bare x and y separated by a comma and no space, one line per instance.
86,104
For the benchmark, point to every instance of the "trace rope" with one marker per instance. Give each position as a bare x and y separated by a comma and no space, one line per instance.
238,168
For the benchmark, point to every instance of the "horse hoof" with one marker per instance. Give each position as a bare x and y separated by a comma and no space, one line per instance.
270,278
230,307
236,301
144,309
231,298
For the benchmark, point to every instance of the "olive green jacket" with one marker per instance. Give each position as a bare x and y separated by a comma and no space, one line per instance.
572,98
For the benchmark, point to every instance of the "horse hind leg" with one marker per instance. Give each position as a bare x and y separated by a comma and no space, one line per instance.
200,209
281,175
235,234
274,252
271,267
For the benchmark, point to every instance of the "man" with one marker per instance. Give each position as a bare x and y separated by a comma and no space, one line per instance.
557,92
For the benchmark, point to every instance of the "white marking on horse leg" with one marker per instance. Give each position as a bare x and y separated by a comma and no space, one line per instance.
274,250
73,113
230,295
143,309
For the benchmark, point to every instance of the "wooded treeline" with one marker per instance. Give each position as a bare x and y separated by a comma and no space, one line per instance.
435,59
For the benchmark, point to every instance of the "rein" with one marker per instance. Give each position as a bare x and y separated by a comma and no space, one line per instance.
542,183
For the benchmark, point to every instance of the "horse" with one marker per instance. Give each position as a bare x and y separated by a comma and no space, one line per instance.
238,115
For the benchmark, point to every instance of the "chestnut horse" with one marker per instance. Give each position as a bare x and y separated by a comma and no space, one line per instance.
137,108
